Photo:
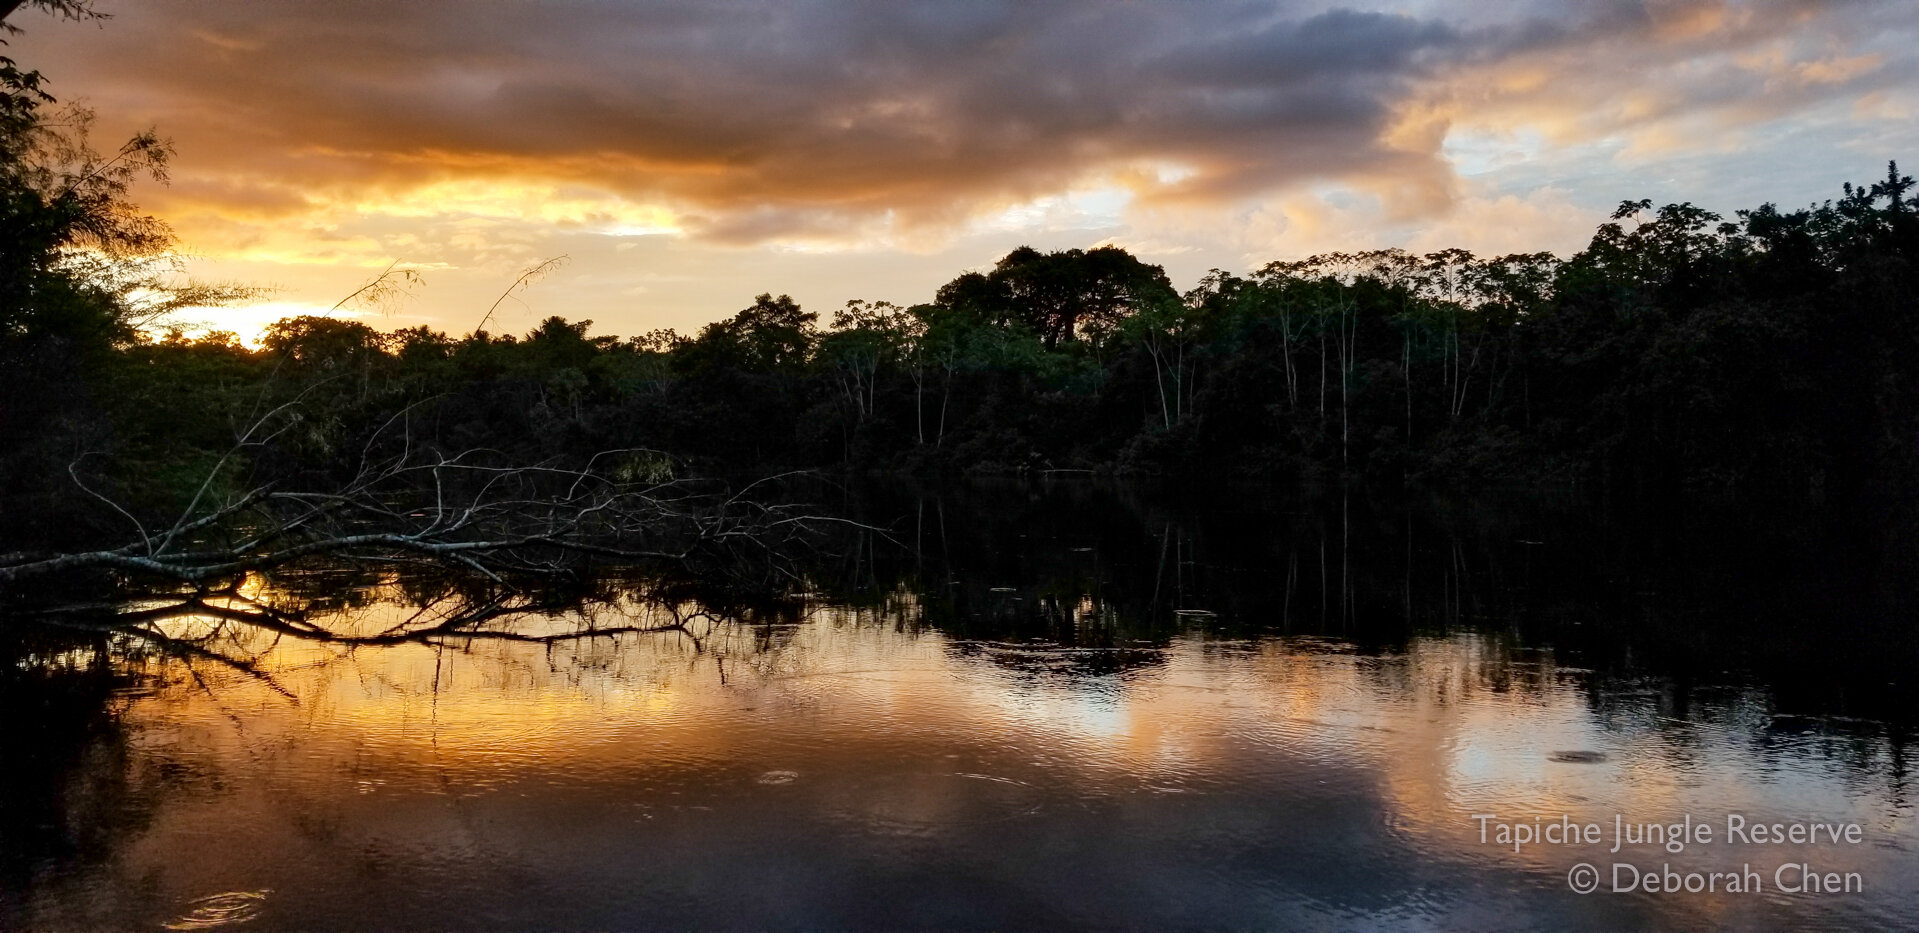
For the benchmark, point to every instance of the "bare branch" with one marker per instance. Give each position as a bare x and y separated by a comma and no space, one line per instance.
381,291
525,280
73,471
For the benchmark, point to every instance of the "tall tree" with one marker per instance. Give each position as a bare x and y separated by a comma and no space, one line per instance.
1060,296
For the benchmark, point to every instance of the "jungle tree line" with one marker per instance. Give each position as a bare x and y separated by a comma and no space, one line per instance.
1769,355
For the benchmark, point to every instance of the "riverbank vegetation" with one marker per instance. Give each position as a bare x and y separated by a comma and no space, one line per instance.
1771,355
1768,356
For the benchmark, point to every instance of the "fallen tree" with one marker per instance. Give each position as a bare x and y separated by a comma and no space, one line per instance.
468,512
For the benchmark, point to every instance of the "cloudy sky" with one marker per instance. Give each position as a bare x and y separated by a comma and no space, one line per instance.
686,156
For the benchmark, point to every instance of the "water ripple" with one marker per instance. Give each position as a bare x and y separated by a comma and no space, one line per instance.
218,910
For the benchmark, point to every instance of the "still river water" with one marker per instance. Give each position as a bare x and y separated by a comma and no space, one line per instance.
1028,706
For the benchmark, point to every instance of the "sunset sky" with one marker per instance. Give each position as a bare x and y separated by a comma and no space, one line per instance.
686,156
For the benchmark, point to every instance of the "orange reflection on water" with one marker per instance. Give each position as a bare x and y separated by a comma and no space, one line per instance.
309,762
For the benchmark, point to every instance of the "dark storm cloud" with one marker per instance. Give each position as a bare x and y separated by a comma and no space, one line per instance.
768,118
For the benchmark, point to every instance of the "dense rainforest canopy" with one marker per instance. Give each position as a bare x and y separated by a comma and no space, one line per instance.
1771,356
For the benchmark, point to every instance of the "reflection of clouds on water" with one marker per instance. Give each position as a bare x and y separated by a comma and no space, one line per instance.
1068,707
1303,768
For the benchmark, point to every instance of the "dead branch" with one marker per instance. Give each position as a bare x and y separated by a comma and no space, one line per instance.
471,513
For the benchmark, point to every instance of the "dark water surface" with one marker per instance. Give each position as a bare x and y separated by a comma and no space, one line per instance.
1028,706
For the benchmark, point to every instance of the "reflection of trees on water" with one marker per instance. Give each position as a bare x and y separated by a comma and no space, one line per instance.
1117,571
1079,587
246,627
1093,580
70,789
85,776
1794,603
